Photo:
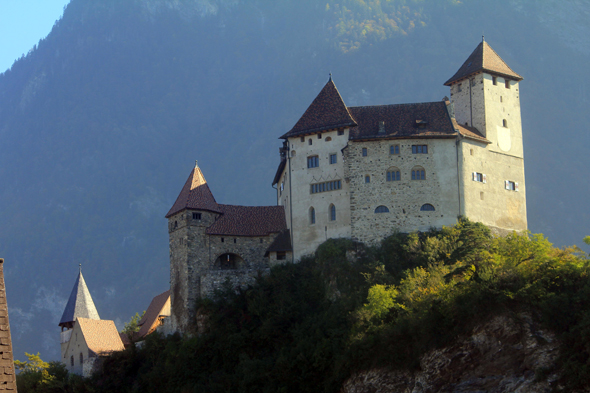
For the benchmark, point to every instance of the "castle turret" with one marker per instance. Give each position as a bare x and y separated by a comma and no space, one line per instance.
80,305
193,212
486,100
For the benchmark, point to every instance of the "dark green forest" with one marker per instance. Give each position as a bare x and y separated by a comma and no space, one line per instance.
307,327
101,123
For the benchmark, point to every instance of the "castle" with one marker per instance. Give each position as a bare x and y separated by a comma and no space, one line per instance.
361,173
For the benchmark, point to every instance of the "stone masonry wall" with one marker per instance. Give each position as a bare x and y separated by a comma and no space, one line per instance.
7,374
403,198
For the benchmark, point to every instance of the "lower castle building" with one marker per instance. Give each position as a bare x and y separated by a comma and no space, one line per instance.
361,173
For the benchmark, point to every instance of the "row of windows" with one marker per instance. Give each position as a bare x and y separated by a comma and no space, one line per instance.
314,161
326,186
81,359
506,82
427,207
331,214
319,136
482,178
394,150
394,174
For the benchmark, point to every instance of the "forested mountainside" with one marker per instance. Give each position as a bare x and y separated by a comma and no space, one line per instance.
101,122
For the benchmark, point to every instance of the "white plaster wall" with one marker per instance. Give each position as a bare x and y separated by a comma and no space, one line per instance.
306,236
490,203
75,346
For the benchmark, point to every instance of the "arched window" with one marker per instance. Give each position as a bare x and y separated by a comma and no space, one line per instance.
427,207
311,215
72,360
381,209
418,173
332,212
328,139
81,358
393,174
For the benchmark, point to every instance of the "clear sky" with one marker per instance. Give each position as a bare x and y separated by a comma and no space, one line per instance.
23,23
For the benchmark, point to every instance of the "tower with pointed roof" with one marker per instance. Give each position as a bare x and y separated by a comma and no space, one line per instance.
485,94
365,172
84,336
80,305
212,243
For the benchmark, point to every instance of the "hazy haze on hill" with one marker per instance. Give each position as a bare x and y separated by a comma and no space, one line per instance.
100,124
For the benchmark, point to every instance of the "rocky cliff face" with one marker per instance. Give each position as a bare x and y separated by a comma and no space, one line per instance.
505,354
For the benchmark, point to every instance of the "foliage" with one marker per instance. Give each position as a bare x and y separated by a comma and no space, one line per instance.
587,240
132,326
35,375
306,327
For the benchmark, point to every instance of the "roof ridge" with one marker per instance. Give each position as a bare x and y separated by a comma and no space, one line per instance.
401,104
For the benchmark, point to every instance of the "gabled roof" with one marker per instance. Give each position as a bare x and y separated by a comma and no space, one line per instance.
101,336
80,304
195,195
159,306
326,112
249,221
421,120
485,59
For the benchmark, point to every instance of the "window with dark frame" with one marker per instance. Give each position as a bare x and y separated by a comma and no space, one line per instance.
313,161
333,158
419,149
367,179
365,152
479,177
494,80
418,174
511,185
196,216
340,132
393,174
394,149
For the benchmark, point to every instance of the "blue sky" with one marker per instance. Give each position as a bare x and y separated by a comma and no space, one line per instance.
23,23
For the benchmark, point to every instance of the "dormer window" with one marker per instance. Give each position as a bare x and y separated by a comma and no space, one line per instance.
421,123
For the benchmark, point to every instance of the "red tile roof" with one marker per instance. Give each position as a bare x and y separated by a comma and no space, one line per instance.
421,120
326,112
195,195
485,59
160,305
249,221
101,336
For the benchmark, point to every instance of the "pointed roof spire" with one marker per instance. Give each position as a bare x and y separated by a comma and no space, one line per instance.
326,112
484,59
80,303
195,195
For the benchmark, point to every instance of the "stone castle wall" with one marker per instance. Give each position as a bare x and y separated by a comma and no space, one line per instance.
405,197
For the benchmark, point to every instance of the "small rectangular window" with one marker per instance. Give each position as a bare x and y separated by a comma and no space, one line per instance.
222,240
302,139
367,179
494,80
340,132
394,149
333,158
419,149
365,153
511,186
196,216
281,255
507,83
319,136
313,161
479,177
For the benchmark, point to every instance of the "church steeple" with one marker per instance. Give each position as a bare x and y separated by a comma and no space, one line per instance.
80,304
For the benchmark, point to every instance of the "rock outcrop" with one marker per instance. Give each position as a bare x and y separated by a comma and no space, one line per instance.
504,355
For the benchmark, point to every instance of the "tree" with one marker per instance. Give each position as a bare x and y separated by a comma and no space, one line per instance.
132,326
587,240
35,375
